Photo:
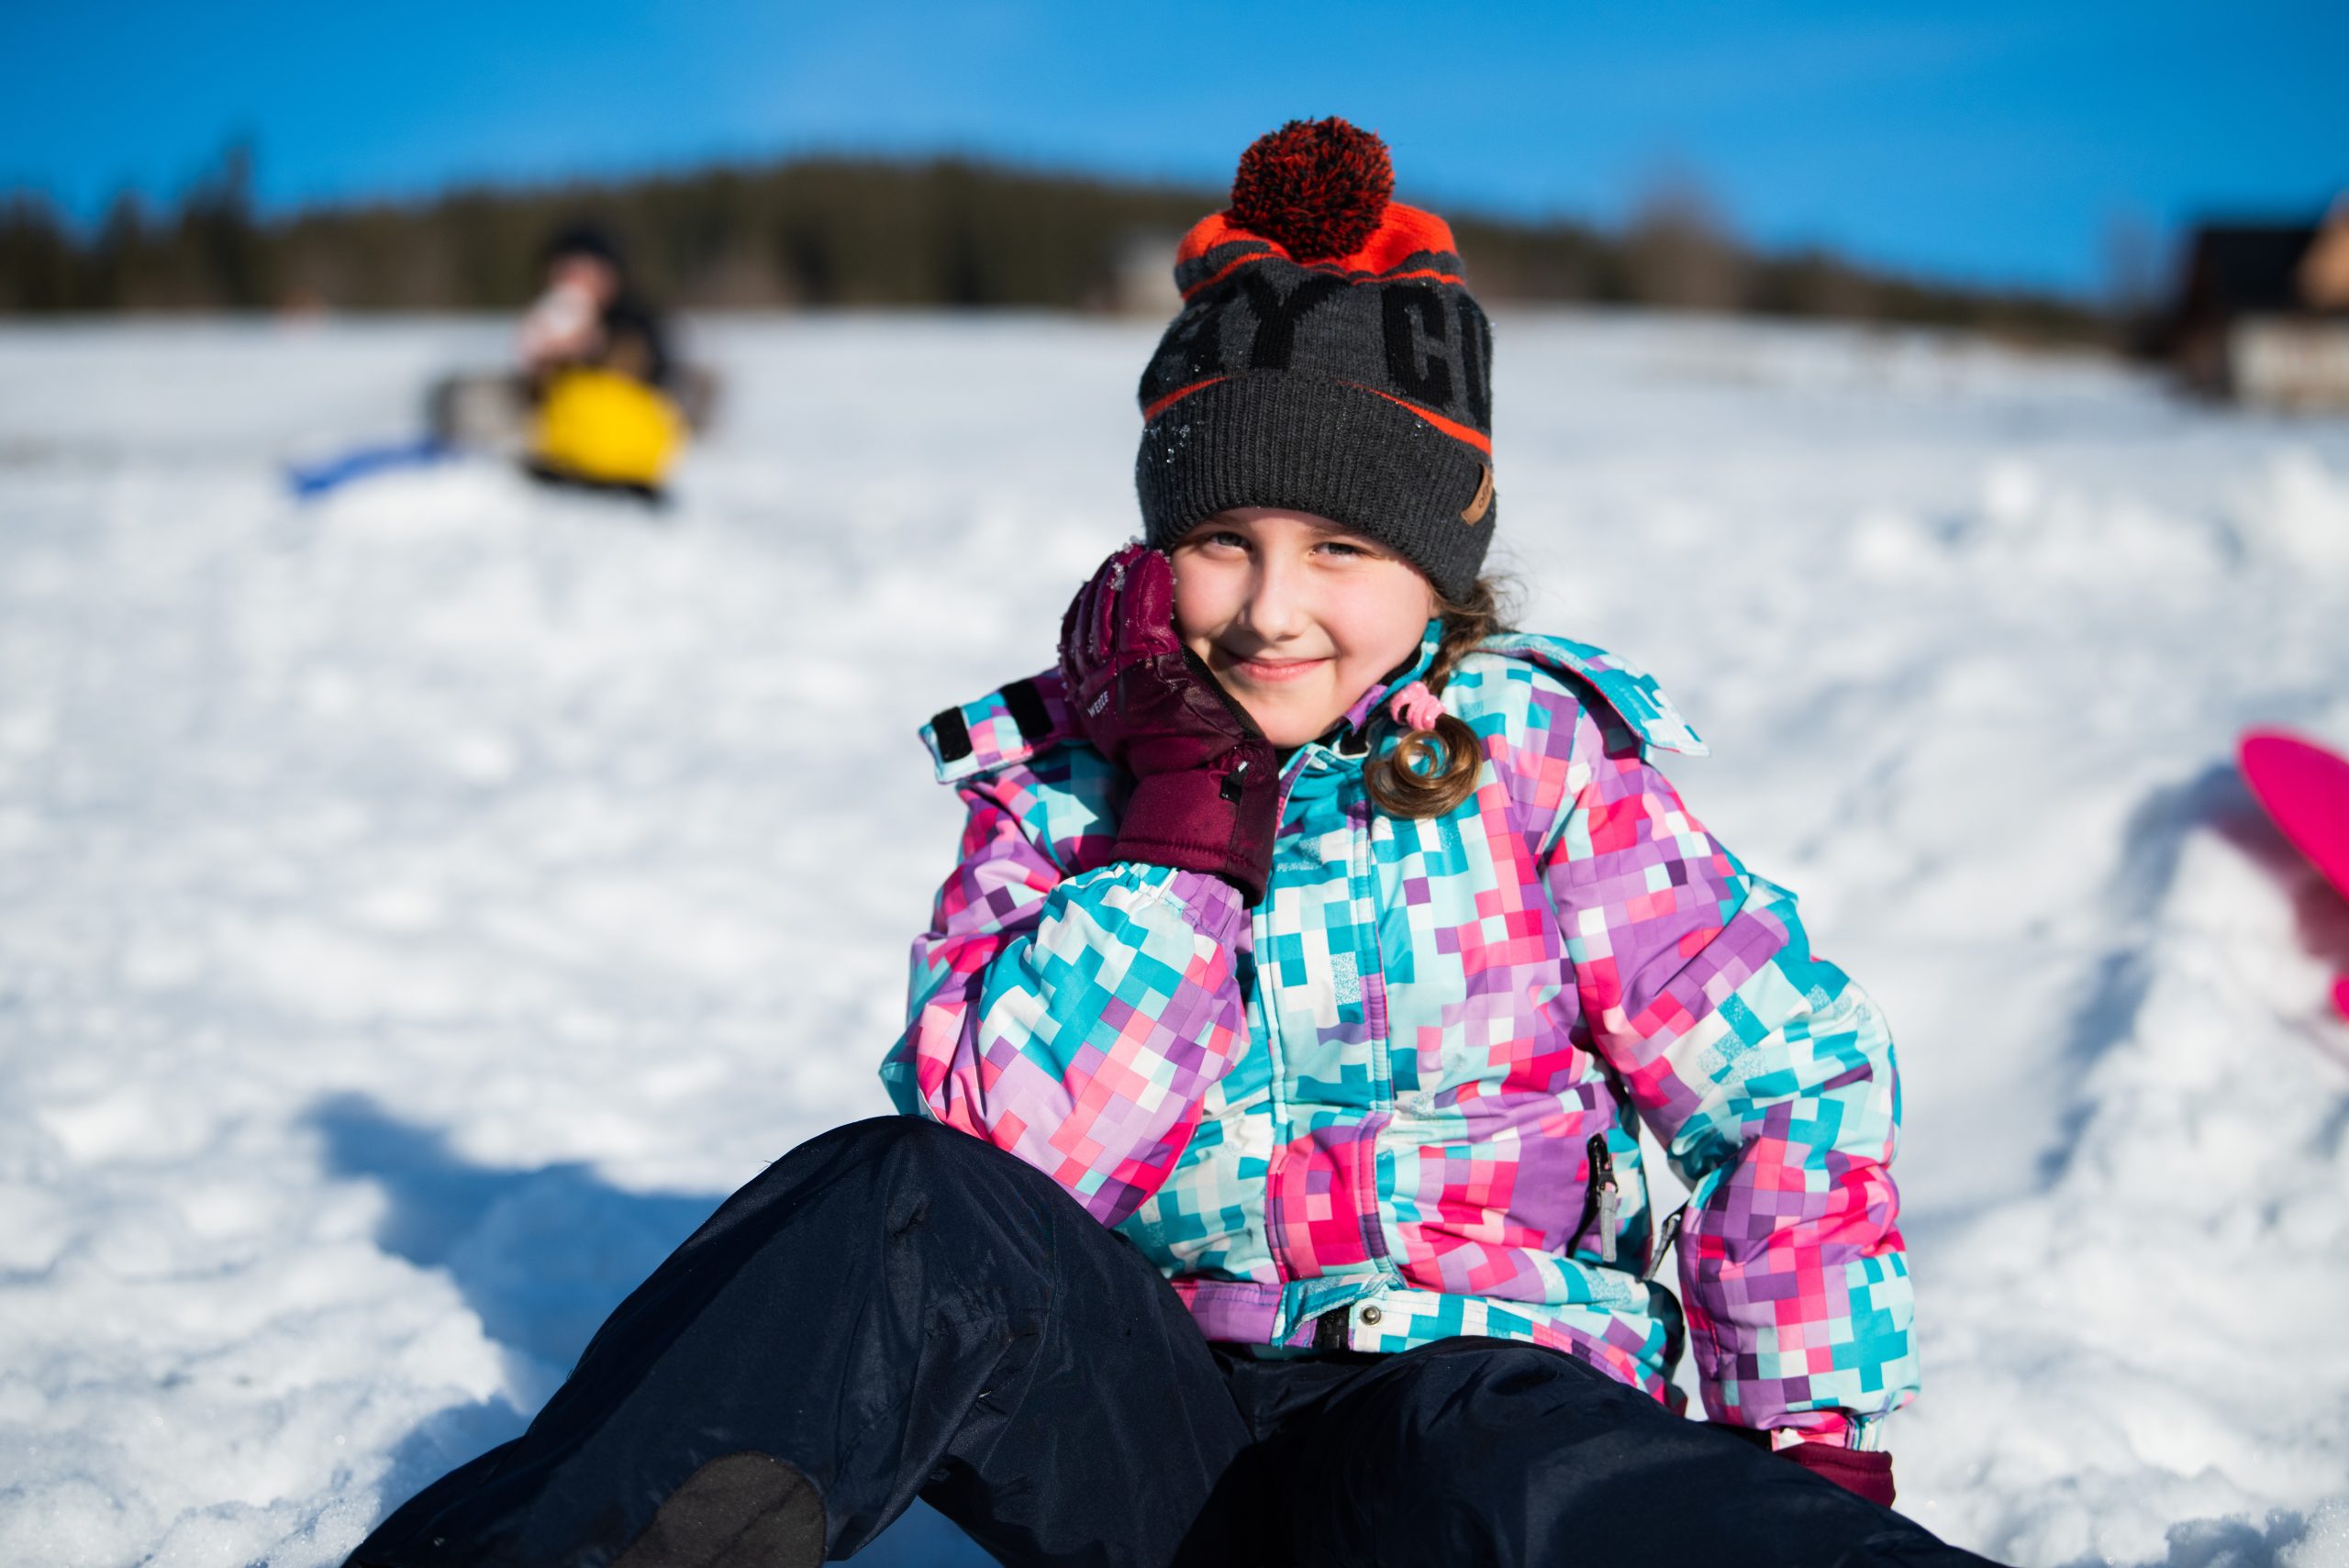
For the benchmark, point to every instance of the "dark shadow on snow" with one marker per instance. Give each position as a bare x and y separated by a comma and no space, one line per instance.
2153,844
2224,1543
541,1255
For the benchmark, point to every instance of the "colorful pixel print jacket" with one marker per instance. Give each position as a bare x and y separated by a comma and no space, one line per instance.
1365,1114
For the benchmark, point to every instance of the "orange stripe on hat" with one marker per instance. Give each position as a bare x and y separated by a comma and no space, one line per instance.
1403,232
1154,410
1452,427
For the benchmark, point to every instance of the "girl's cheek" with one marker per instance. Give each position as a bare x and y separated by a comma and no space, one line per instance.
1193,605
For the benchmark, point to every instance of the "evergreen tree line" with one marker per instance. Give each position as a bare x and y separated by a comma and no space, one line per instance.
830,231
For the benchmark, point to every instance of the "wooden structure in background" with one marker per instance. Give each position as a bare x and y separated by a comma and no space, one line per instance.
2263,314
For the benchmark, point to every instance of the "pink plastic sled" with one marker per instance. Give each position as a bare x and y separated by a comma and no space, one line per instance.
2306,789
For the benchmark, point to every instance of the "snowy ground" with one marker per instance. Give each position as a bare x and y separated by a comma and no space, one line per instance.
418,908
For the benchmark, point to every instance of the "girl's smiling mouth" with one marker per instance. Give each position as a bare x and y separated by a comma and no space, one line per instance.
1277,670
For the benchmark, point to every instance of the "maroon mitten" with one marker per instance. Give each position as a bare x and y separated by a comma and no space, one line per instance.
1206,791
1867,1474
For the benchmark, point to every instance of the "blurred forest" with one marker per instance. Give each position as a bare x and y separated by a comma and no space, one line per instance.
838,231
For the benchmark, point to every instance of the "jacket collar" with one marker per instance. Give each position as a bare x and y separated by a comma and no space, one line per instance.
1350,737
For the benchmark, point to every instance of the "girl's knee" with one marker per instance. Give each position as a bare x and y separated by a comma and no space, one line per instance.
882,1136
912,1147
910,1166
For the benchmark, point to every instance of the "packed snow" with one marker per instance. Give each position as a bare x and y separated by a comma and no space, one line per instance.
420,906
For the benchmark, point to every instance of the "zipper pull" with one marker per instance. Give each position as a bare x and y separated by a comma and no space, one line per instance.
1602,1183
1666,1234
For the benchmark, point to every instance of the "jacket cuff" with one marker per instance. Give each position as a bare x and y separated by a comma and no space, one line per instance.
1831,1427
1217,909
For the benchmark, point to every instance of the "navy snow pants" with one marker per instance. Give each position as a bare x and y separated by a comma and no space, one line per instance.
899,1309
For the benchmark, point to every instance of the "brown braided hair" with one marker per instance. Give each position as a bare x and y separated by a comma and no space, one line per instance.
1431,772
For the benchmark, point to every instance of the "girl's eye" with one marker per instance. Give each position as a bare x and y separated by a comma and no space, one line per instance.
1232,539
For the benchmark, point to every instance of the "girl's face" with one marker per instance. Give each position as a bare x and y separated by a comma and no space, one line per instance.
1294,614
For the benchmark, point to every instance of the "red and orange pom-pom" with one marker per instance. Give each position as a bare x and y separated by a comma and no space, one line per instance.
1316,188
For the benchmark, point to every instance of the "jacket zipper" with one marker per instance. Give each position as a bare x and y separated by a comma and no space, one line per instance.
1666,1235
1275,1243
1601,1199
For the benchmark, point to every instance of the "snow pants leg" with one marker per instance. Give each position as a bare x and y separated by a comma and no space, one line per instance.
894,1308
1496,1453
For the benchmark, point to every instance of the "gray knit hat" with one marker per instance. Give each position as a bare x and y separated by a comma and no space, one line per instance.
1328,357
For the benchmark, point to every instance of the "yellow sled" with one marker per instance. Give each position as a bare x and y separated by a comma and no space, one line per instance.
596,426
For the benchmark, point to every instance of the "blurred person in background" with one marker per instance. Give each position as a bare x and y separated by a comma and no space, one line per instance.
596,360
588,315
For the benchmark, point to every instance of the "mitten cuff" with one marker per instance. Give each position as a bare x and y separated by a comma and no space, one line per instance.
1867,1476
1215,820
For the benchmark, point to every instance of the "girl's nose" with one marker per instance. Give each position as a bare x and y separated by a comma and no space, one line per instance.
1277,609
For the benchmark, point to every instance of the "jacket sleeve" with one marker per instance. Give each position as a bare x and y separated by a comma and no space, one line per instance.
1768,1076
1075,1021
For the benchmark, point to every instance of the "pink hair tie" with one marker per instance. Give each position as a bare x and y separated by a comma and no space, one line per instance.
1415,707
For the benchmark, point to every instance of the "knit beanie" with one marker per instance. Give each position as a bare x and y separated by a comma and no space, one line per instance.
1328,359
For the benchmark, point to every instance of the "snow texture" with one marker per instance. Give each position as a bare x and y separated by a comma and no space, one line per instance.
418,908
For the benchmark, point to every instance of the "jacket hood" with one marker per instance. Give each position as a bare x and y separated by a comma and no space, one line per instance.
1626,688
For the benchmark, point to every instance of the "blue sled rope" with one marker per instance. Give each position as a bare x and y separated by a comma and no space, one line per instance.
310,481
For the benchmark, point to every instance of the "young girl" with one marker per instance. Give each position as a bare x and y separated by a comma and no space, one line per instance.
1269,1187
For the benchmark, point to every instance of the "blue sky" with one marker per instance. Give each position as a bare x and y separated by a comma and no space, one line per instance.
1989,141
